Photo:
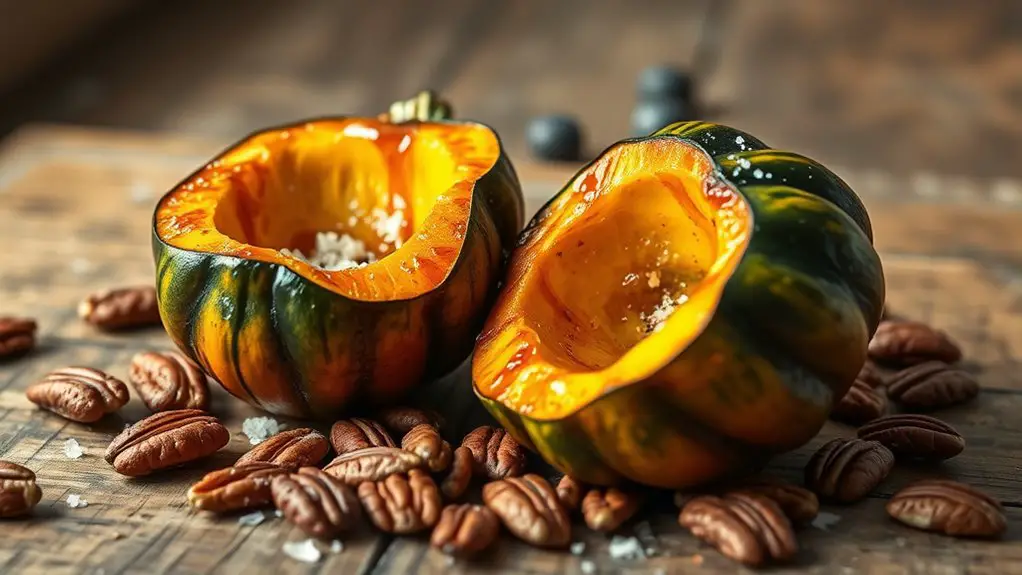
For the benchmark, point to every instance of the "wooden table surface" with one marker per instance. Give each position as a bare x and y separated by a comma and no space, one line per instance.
75,207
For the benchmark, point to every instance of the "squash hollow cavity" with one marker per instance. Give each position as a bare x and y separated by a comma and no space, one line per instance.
614,279
401,192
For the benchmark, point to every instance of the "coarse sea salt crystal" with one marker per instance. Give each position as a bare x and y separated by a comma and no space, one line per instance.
259,429
304,551
625,548
252,519
578,547
336,546
824,520
587,566
76,501
73,449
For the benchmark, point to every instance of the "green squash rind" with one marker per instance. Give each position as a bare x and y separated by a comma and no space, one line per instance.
805,298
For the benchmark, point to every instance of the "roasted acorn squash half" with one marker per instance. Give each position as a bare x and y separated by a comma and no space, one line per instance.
436,200
691,303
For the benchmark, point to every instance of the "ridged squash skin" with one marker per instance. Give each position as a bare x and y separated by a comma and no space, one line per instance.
298,341
753,362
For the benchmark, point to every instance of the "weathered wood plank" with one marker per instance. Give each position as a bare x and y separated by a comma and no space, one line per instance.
81,181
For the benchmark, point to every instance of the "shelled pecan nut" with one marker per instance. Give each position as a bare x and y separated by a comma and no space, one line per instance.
948,507
496,454
166,439
873,375
606,509
901,342
81,394
372,464
799,504
424,440
569,492
168,380
913,435
401,503
860,404
460,475
401,420
234,488
931,385
464,530
529,508
316,502
121,308
17,335
846,470
19,492
290,449
357,433
747,528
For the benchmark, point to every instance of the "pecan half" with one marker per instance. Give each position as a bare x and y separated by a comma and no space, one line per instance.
872,374
401,503
846,470
948,507
80,394
121,308
466,529
372,464
234,488
166,439
349,435
931,385
496,454
799,504
168,380
460,475
569,492
291,449
529,508
401,420
315,502
19,493
606,509
911,435
17,335
747,528
903,342
860,404
424,440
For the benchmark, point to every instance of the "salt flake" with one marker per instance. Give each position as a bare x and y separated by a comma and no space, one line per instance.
252,519
625,548
72,449
578,547
76,501
336,546
587,566
824,520
259,429
304,551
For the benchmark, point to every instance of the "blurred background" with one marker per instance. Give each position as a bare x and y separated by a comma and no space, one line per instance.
907,85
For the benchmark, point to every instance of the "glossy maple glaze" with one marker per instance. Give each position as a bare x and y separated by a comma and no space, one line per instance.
281,187
644,222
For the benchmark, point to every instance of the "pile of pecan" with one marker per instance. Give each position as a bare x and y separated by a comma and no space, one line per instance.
398,472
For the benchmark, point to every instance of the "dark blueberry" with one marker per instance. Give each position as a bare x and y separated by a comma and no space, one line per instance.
664,82
651,115
556,138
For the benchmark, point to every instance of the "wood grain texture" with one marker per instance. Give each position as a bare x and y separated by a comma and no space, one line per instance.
97,189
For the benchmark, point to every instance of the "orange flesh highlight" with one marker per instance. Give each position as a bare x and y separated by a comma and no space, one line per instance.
279,188
584,310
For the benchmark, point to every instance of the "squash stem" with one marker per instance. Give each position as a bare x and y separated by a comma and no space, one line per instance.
426,106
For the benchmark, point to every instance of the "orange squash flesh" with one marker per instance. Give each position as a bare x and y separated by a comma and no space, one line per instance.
610,300
281,187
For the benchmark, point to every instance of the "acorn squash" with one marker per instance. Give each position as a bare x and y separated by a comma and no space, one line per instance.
691,303
436,205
